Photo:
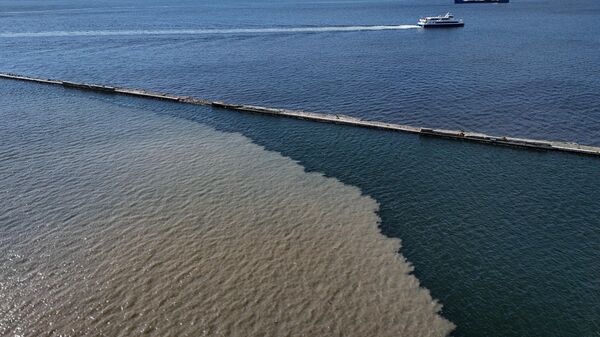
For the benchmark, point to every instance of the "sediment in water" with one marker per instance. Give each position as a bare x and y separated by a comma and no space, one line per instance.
128,223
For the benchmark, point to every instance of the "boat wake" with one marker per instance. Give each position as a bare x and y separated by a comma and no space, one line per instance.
232,31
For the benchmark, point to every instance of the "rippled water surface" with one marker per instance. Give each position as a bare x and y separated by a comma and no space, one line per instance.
124,216
524,69
128,215
119,221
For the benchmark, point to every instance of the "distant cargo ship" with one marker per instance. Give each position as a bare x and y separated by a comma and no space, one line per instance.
480,1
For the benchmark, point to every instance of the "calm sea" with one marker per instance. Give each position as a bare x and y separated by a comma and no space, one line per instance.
506,240
523,69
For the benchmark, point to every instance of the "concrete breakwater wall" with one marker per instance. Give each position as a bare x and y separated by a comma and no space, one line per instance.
327,118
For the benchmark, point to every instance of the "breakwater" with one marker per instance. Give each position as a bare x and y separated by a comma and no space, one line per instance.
327,118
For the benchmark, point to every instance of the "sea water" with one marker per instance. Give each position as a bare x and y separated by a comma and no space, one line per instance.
127,215
118,221
506,240
520,69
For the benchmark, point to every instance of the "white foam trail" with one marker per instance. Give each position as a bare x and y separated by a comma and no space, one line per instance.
203,31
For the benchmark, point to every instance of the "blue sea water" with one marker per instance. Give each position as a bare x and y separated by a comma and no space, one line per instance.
522,69
506,239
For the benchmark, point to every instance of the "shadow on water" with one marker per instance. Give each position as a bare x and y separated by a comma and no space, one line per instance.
505,238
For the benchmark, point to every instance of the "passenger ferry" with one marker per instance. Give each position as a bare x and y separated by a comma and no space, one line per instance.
440,21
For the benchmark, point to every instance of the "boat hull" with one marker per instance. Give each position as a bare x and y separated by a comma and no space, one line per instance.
446,25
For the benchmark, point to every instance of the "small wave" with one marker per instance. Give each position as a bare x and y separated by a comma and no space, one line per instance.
204,31
186,231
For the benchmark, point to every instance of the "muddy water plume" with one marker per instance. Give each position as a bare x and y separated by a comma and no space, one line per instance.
120,222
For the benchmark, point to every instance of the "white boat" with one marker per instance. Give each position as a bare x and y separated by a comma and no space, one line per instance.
447,20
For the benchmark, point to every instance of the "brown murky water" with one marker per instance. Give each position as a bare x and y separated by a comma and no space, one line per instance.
121,222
